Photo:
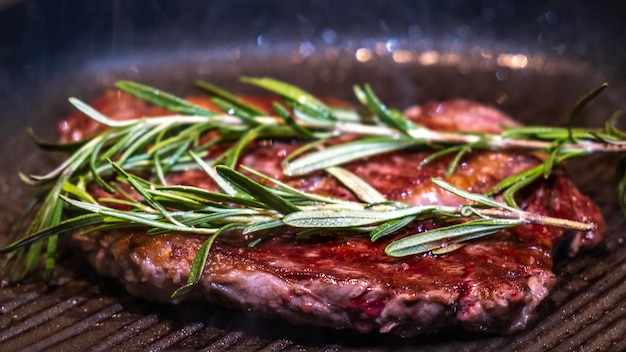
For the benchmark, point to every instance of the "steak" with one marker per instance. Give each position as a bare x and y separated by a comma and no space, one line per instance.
492,284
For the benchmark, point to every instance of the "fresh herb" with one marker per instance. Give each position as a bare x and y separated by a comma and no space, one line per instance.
252,203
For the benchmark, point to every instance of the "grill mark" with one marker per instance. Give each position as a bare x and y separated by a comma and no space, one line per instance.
203,337
276,346
13,291
608,317
176,336
39,319
330,348
147,337
125,332
611,339
248,343
18,301
602,295
607,336
27,310
77,328
586,271
224,342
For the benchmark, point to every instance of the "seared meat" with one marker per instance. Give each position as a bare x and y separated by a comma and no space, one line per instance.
491,285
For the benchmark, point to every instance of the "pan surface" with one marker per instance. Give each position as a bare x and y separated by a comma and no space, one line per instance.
533,61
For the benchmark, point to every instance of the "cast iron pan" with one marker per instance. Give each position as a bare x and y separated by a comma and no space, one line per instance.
530,60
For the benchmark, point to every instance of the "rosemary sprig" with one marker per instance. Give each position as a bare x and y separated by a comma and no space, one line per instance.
160,145
273,207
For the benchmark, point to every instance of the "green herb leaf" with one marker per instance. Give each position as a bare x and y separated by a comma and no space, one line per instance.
610,126
139,219
478,198
57,147
257,190
350,218
548,165
435,239
393,118
97,116
580,105
286,116
199,262
162,99
239,198
231,157
139,187
361,189
509,194
231,98
65,226
440,153
262,226
457,158
390,227
343,153
285,188
235,111
292,93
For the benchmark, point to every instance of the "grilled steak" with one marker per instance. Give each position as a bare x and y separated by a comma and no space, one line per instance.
492,284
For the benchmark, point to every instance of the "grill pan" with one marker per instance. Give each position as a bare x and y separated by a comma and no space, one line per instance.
531,60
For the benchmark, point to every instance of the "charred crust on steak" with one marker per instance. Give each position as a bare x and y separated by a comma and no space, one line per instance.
490,285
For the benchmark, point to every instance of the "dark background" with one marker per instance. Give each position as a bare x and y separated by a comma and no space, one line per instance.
39,38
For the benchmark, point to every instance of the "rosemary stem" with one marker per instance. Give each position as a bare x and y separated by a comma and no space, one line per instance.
495,142
538,219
